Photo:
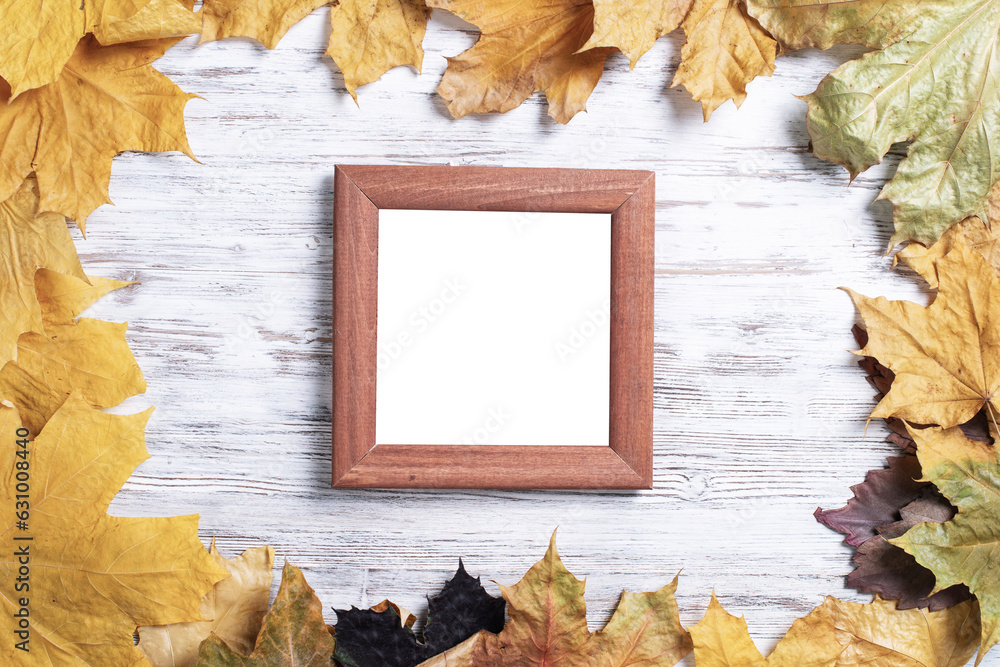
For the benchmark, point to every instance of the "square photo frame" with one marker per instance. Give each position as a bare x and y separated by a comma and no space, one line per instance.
598,226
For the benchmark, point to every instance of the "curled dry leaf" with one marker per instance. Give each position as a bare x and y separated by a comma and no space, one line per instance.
37,37
236,606
293,634
93,577
526,46
370,37
840,634
964,549
267,21
725,49
27,243
933,83
107,99
946,357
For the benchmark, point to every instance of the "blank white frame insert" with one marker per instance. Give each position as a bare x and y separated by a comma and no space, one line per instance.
493,328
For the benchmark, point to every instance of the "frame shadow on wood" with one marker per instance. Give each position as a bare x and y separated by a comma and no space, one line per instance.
358,461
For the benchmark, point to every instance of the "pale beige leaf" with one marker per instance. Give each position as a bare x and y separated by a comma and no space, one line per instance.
236,605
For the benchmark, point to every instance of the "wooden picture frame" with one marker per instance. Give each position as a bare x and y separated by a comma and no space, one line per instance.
360,191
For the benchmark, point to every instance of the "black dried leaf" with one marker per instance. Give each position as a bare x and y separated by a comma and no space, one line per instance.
370,638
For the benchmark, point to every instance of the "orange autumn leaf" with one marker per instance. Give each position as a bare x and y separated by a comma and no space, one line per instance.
525,47
267,21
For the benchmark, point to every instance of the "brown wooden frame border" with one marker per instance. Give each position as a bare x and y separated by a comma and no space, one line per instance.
360,191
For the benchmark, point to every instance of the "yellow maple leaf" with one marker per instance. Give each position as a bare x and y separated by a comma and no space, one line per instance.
27,243
525,46
725,50
839,634
90,357
88,578
370,37
267,21
236,605
62,298
946,357
37,37
107,99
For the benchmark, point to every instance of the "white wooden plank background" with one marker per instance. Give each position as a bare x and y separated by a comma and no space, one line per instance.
760,410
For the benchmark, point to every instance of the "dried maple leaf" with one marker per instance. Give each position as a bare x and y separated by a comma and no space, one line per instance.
370,37
526,46
548,625
107,99
880,378
838,633
62,298
933,83
37,37
236,605
964,549
93,577
725,50
27,243
293,634
378,638
946,357
877,500
90,357
267,21
887,570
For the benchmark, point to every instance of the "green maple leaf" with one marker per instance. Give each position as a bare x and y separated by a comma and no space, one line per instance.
934,82
965,549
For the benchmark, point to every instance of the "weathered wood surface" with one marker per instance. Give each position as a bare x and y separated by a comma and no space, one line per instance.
759,408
